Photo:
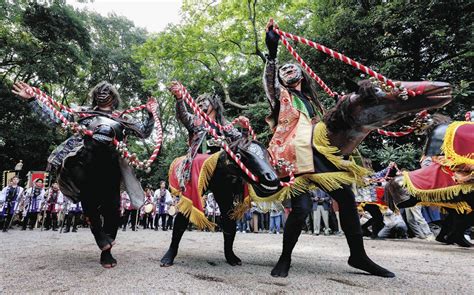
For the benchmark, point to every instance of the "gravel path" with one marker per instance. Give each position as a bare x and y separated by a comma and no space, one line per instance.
49,262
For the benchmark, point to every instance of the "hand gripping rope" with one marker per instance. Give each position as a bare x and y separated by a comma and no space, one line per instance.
386,83
120,145
245,123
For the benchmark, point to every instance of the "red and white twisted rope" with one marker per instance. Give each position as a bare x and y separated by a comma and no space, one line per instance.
468,116
207,120
408,130
197,110
121,146
342,58
306,67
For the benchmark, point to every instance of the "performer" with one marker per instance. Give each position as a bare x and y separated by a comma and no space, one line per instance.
54,201
9,201
200,142
212,209
295,111
90,168
163,200
149,209
33,200
171,212
73,216
128,212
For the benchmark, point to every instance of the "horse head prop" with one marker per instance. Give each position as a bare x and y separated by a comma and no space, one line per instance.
256,158
373,105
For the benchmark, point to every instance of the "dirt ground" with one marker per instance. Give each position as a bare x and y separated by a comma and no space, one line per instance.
49,262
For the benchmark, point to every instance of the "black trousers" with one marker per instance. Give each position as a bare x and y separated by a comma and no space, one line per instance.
100,195
301,206
163,220
72,218
377,218
51,217
129,215
30,220
169,223
6,221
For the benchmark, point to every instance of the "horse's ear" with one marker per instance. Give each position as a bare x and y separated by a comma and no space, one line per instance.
351,85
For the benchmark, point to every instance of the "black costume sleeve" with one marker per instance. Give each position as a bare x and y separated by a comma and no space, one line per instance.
146,127
183,115
46,115
271,40
271,84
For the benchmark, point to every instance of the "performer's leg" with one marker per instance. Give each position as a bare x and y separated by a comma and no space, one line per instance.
169,222
33,218
180,225
6,223
460,223
110,209
54,217
75,219
377,218
68,222
301,206
47,220
150,221
2,222
133,219
163,221
228,229
157,221
125,217
446,226
351,226
92,215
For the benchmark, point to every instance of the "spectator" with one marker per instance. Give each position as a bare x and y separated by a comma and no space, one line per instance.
417,223
276,213
128,211
394,227
33,201
148,209
163,200
9,202
321,201
242,223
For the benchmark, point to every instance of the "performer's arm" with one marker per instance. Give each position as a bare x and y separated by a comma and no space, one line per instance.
233,134
270,80
45,114
146,127
182,113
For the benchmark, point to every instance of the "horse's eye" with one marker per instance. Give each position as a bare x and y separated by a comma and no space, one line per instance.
379,92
